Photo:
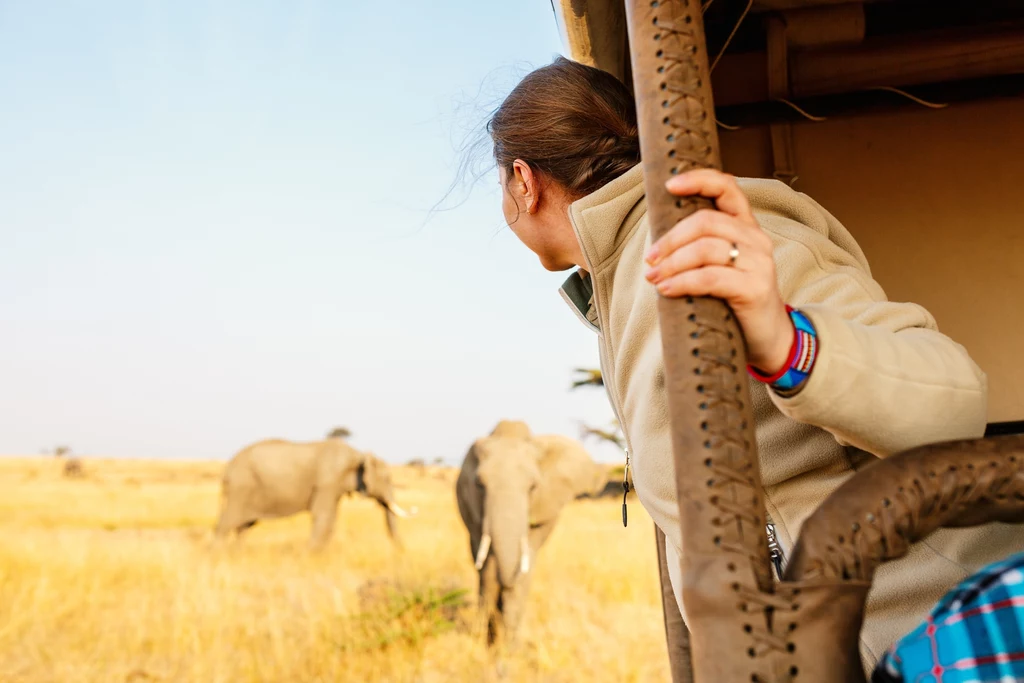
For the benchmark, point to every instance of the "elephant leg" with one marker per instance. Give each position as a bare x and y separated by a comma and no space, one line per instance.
233,518
513,603
324,510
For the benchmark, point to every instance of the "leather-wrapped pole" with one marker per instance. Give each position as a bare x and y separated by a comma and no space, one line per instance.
727,580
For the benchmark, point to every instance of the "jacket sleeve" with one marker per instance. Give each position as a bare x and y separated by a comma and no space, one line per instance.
885,379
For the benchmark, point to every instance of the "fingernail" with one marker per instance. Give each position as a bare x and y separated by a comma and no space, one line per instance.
663,287
652,254
652,275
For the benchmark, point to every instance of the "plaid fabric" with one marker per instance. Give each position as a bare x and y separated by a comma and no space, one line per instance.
974,635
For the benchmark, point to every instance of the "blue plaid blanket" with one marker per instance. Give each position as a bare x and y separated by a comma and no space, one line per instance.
974,635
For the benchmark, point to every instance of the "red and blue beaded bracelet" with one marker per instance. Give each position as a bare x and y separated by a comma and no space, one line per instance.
801,357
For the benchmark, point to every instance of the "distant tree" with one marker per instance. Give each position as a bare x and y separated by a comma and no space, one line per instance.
339,433
611,435
417,463
73,468
61,451
438,461
592,377
587,377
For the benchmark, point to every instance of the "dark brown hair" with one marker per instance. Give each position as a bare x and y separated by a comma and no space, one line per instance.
574,123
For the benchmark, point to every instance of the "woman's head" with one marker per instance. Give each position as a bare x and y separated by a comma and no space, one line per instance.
565,131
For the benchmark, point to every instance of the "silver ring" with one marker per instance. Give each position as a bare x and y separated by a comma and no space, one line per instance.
734,254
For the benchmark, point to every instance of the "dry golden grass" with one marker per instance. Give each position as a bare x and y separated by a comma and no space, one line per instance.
112,579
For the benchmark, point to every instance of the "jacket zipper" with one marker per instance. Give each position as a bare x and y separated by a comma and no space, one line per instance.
609,385
775,551
778,557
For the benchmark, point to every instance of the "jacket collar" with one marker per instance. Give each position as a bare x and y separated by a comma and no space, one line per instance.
578,292
602,220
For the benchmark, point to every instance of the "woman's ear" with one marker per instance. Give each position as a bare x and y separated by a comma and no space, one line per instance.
526,185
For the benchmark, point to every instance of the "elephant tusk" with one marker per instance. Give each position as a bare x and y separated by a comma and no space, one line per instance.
524,556
481,553
397,510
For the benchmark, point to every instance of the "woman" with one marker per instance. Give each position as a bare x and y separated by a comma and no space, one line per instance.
843,377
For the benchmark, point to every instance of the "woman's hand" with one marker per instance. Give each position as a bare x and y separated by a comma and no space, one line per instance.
693,259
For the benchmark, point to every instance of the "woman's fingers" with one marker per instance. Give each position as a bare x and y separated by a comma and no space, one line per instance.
704,251
720,187
723,282
693,259
707,223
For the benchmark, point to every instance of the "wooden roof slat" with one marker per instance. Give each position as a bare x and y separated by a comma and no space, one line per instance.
904,61
777,5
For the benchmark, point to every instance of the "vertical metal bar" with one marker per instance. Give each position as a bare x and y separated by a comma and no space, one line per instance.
677,636
778,87
724,550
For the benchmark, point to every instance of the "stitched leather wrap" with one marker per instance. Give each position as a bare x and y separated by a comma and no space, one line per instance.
724,553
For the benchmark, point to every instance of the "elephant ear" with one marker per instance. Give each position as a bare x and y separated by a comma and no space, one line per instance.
466,494
342,464
370,473
360,476
566,470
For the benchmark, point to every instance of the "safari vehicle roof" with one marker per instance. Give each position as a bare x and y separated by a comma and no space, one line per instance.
905,118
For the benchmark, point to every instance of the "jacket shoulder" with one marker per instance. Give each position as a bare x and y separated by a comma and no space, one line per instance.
794,216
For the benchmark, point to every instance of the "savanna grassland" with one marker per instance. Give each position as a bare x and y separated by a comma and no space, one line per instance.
112,578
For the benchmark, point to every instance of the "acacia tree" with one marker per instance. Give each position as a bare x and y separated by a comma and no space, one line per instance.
339,433
587,377
612,435
591,377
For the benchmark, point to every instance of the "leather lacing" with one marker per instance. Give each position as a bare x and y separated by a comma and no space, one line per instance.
732,485
926,497
765,638
689,128
725,431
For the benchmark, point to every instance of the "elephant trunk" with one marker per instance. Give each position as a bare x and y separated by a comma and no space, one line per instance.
506,529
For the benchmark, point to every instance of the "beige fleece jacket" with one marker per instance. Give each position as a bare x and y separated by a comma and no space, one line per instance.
885,380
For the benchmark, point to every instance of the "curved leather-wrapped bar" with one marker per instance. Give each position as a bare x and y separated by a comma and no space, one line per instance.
724,561
877,515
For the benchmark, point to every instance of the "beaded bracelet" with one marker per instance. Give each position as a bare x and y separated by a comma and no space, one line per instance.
801,357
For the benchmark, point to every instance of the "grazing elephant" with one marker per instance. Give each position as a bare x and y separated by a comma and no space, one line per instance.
510,490
280,478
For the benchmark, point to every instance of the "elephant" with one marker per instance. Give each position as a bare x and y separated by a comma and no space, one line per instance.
510,491
278,478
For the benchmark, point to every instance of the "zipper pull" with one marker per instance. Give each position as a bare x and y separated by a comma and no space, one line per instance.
775,551
625,488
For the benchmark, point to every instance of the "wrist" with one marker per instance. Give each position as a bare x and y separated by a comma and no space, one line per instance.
799,361
774,357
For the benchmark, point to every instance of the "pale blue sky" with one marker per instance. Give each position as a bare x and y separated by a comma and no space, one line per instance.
214,229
